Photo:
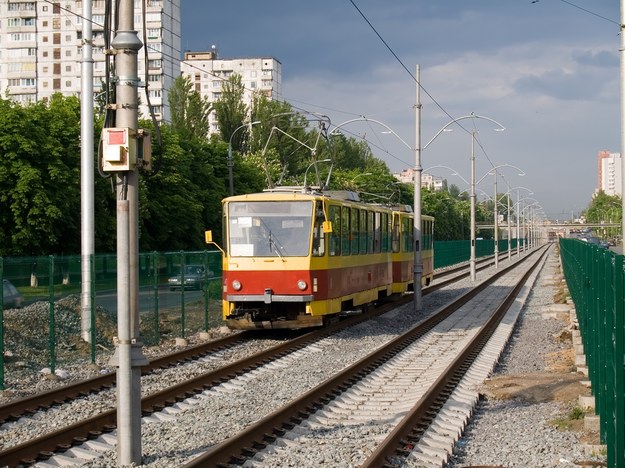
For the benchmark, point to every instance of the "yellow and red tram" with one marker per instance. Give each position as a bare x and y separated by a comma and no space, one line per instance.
295,259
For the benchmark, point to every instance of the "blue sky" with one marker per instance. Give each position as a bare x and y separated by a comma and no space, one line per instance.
547,70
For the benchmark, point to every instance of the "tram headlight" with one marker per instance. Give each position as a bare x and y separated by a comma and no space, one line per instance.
236,285
301,285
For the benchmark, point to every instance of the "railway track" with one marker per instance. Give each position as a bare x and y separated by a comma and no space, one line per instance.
401,388
78,433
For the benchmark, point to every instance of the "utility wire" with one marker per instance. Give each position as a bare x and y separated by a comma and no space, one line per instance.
404,66
589,12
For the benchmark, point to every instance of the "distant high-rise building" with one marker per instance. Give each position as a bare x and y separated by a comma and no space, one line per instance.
41,54
207,72
610,173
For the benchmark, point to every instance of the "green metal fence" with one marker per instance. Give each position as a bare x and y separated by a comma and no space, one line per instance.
596,281
51,323
47,329
447,253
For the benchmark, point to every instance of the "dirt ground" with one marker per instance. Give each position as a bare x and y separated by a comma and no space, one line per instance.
558,383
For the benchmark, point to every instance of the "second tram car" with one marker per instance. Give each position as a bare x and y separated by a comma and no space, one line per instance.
296,260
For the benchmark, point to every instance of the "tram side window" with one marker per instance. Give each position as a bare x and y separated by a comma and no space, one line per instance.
345,231
430,234
319,245
386,228
395,232
425,234
355,231
335,236
407,234
363,231
370,231
377,233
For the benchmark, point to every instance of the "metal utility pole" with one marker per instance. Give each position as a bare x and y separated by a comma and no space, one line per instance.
87,243
121,157
472,196
622,61
418,261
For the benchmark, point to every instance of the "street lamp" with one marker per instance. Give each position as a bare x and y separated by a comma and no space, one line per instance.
472,183
454,172
230,160
527,229
509,211
520,212
314,163
495,210
360,175
418,265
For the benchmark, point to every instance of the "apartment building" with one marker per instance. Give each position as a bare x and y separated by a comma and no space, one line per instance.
610,173
41,49
208,72
428,181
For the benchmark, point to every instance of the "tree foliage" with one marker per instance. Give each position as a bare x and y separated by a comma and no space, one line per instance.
604,209
39,176
40,173
231,111
189,111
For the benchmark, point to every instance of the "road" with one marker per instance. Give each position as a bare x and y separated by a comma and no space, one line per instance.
166,299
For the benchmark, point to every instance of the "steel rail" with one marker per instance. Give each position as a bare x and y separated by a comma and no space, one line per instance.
416,421
244,445
46,445
15,409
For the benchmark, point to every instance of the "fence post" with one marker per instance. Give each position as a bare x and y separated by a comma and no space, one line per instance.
93,330
1,323
616,456
155,286
51,308
182,284
205,285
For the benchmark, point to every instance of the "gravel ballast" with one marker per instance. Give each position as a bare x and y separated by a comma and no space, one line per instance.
520,432
503,432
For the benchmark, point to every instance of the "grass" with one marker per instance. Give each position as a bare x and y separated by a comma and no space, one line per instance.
571,420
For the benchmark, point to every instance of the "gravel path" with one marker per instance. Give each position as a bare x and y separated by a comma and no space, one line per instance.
518,432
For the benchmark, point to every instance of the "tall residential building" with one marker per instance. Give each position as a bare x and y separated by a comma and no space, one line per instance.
208,72
41,49
610,173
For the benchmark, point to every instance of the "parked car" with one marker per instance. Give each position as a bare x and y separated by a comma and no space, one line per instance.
195,277
11,297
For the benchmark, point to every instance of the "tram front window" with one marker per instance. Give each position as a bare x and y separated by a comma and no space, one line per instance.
269,228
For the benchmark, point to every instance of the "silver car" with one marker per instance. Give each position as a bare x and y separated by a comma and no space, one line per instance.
195,277
11,297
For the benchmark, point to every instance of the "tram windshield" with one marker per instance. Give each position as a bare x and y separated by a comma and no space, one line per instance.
269,228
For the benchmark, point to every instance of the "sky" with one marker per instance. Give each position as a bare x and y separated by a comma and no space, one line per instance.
546,70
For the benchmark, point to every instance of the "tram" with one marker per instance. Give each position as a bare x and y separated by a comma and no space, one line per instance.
298,258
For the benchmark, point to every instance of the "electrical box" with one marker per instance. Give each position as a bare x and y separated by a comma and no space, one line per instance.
119,152
144,149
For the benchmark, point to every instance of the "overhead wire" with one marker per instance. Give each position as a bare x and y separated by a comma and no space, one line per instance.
404,66
109,117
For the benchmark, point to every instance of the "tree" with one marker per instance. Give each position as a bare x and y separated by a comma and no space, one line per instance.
605,209
452,216
189,110
230,110
39,177
171,214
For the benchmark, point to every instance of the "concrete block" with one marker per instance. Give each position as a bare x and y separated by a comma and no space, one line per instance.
586,401
592,422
